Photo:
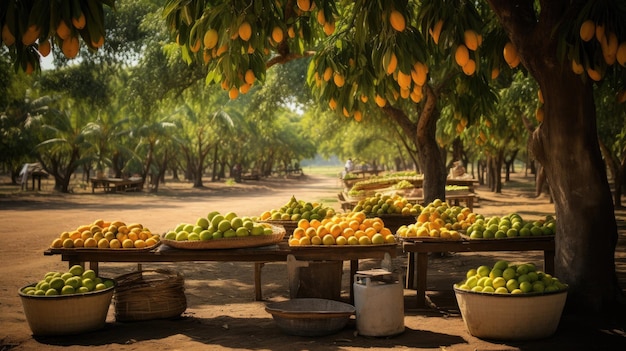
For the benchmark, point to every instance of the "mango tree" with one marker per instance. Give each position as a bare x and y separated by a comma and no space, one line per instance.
235,39
582,50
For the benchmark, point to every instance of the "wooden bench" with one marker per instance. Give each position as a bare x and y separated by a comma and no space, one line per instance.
252,176
116,184
345,204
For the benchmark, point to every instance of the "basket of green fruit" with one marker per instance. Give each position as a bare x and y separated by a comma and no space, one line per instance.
65,303
510,302
293,211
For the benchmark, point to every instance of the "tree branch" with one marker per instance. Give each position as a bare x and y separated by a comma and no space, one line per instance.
280,59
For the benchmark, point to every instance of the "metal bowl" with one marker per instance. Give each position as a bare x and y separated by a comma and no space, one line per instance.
310,316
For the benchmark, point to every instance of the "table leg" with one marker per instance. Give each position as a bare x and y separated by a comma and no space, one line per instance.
94,266
410,271
548,261
71,263
421,271
258,266
354,267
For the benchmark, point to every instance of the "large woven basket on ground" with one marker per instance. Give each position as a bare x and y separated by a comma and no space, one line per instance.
149,294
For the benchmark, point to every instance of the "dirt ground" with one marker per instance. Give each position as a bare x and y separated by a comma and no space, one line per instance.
222,313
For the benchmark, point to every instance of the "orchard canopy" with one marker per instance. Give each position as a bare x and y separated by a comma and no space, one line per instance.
415,62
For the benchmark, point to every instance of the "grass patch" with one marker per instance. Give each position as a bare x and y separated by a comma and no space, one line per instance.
329,171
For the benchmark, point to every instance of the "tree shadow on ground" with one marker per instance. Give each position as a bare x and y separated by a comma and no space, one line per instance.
215,331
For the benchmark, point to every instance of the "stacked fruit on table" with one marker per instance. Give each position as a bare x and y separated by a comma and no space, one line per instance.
403,184
439,220
506,278
511,226
380,204
103,235
295,209
218,226
457,187
352,228
76,280
378,182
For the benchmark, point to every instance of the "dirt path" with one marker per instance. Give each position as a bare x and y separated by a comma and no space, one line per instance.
222,313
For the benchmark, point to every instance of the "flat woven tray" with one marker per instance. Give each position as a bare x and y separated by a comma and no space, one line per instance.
515,238
108,249
428,238
344,247
230,243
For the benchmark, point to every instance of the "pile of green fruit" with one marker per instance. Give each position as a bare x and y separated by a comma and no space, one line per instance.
457,188
507,278
403,184
76,280
295,210
511,226
380,204
217,226
385,181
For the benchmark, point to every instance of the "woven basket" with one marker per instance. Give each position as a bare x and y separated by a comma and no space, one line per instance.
149,294
289,226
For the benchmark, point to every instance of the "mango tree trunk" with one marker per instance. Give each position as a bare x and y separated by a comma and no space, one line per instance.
566,144
432,163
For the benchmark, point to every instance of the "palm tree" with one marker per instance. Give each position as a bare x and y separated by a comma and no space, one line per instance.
64,147
202,133
152,138
18,137
105,135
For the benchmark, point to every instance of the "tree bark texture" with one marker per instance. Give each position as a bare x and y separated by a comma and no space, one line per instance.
433,164
566,144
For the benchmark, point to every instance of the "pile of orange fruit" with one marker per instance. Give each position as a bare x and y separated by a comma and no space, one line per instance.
352,228
104,235
440,220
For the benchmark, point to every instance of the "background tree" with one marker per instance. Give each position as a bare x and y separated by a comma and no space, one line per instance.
612,135
204,125
63,147
19,116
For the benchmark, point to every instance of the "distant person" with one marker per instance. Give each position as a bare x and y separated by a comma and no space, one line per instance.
349,165
458,171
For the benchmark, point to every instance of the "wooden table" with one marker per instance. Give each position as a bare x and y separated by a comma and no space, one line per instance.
259,255
116,184
462,182
417,265
364,172
453,199
36,176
